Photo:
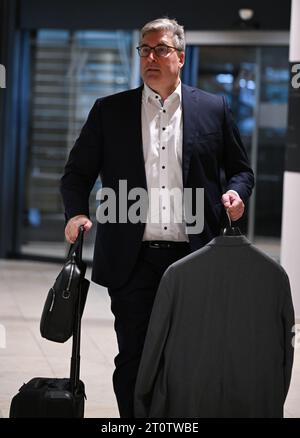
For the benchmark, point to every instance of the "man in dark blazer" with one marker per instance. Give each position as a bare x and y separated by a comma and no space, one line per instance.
162,135
219,340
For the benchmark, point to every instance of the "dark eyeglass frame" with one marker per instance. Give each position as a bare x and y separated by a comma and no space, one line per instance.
138,48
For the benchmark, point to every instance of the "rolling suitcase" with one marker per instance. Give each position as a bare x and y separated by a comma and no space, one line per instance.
44,397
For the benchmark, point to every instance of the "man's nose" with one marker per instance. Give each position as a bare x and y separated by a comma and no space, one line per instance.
152,56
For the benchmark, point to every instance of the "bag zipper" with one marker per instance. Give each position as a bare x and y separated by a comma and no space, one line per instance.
66,296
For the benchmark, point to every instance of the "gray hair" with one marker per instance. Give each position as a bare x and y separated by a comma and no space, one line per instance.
168,25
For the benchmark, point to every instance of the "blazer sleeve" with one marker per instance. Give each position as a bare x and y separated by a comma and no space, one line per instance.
239,175
155,340
83,166
288,322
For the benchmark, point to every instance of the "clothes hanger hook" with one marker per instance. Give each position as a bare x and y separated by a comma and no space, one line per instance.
229,219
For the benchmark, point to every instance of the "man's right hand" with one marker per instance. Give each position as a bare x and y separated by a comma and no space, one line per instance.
72,227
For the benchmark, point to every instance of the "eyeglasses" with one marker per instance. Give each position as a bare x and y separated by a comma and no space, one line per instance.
161,50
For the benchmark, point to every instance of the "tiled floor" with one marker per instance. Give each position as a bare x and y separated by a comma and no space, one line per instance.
24,354
23,288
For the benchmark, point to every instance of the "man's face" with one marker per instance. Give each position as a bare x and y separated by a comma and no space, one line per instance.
161,72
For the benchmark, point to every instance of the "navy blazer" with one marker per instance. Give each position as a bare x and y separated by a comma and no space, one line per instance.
110,145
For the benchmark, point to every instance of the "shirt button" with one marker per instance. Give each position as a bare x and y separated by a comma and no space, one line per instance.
164,111
163,187
163,167
164,129
163,147
165,228
164,208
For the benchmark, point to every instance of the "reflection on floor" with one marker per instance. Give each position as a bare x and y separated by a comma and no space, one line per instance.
24,354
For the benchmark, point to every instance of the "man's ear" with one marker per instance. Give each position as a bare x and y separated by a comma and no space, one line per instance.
181,57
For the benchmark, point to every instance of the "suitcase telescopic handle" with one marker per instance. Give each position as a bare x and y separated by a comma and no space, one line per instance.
75,359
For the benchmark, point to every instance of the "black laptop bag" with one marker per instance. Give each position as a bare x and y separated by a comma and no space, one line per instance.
44,397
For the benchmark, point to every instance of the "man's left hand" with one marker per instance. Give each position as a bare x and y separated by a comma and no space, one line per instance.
234,205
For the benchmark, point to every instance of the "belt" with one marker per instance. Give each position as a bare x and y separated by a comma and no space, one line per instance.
165,244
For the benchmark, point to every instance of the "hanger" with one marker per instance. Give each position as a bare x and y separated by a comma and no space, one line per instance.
229,230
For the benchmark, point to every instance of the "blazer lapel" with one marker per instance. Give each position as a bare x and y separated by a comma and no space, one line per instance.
134,125
190,114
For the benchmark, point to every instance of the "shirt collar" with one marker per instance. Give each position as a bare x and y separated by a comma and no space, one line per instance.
148,94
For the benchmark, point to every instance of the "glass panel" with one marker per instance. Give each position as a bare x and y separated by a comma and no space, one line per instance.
230,71
70,71
233,72
272,126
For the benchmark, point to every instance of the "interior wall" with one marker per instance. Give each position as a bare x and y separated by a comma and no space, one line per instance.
200,15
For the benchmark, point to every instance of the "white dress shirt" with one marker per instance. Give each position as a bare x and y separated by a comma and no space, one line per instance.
162,134
162,147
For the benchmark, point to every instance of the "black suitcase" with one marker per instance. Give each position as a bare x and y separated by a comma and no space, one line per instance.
44,397
48,398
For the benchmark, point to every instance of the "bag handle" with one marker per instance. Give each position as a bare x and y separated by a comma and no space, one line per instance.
76,247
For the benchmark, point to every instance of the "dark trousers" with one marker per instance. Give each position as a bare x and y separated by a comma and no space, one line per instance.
131,305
